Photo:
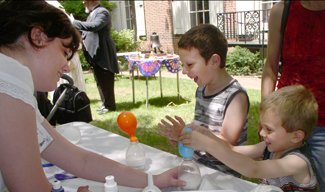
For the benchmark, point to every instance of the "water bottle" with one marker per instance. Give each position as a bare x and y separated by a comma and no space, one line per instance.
110,185
135,156
56,186
188,170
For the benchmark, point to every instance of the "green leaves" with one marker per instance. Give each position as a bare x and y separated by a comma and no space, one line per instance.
243,62
77,8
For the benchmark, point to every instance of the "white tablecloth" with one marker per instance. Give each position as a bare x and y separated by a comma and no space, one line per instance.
114,146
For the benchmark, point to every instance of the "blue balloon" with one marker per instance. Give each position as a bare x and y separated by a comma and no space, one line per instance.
185,152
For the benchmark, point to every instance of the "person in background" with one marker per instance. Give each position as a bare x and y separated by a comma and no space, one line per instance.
285,155
222,104
36,42
303,63
100,51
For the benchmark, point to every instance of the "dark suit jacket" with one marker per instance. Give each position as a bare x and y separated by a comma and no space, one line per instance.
96,32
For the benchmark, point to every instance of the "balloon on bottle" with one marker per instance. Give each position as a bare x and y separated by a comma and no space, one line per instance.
127,122
188,171
135,155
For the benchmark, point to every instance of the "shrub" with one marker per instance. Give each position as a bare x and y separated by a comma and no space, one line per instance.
243,62
84,64
124,41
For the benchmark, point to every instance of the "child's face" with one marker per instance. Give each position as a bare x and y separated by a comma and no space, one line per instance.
276,137
195,67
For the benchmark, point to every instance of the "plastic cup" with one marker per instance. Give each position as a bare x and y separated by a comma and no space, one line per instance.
72,134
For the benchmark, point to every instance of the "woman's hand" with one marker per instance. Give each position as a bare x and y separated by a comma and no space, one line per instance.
168,178
84,189
172,131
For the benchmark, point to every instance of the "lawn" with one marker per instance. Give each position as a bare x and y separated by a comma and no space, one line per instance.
158,107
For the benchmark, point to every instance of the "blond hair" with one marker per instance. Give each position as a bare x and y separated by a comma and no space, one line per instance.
295,105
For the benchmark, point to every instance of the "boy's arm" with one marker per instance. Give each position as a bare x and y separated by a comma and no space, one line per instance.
235,119
200,129
235,157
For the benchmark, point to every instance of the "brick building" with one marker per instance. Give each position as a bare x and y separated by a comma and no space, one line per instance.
170,19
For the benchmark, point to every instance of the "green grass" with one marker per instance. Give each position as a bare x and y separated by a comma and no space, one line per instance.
158,107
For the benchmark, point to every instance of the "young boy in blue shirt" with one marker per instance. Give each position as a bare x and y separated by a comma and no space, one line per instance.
288,117
222,104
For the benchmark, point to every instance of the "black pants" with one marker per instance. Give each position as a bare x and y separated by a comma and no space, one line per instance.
105,84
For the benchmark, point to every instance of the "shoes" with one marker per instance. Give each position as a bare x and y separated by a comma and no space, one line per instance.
103,111
100,109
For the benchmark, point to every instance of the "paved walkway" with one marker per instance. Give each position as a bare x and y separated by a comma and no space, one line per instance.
248,82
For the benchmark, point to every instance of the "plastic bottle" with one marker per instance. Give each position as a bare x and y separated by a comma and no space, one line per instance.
188,170
135,156
110,185
56,186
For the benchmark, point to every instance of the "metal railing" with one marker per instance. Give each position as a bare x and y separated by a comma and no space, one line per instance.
244,25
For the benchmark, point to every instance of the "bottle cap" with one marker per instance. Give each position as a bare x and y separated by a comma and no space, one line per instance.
56,184
110,185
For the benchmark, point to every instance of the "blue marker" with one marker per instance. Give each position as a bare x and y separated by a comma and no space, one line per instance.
47,165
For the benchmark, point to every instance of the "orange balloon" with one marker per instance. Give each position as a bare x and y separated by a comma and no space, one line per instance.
127,122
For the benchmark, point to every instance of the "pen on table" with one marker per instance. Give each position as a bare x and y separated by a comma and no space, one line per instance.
47,165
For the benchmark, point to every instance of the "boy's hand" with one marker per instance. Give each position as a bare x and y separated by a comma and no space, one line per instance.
201,129
195,140
171,131
197,128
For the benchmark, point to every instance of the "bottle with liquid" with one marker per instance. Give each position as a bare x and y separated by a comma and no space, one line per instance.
56,186
135,156
110,185
188,171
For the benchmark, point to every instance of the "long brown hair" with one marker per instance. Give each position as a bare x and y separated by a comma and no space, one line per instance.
19,17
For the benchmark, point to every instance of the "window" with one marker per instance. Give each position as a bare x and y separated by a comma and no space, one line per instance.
199,12
128,11
190,13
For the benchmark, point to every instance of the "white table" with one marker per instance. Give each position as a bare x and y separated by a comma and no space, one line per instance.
114,146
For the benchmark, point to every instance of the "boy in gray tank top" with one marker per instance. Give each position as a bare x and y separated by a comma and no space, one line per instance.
222,104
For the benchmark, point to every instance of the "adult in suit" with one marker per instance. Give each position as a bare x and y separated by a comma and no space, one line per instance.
100,51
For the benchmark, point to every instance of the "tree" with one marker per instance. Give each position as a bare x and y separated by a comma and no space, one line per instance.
77,8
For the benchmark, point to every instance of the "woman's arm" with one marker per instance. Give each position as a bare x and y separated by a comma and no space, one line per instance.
95,167
20,161
271,67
